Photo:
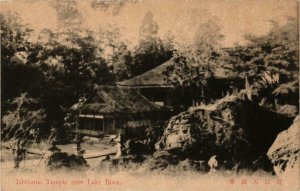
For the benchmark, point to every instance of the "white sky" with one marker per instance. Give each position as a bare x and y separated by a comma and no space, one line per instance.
237,17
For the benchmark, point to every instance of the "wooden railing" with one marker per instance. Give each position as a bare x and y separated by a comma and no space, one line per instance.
92,133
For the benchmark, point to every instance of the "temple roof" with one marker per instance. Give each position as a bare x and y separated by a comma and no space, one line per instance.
156,78
151,78
112,99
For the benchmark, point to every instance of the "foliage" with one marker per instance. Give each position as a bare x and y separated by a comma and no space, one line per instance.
110,5
58,69
275,52
271,62
16,75
122,60
76,55
197,62
116,53
67,13
14,38
151,51
22,124
65,65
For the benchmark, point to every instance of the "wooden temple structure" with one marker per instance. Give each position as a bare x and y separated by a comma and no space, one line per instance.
154,85
112,109
135,104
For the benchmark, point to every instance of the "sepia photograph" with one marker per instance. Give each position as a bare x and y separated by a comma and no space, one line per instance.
142,95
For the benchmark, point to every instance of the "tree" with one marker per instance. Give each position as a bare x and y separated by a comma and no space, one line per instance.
121,62
271,63
151,50
72,64
116,53
17,75
110,5
21,124
201,58
67,13
277,52
14,38
59,68
149,28
197,62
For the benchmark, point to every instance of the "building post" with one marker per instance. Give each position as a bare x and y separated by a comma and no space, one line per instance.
103,125
114,124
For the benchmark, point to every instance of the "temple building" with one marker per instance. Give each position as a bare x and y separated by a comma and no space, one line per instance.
154,85
113,108
138,103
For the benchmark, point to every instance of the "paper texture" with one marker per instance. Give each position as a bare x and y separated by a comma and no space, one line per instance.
150,95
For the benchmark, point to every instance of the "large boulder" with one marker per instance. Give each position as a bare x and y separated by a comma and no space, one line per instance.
285,151
236,130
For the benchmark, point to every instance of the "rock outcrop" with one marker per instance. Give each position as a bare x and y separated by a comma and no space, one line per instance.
236,130
285,151
231,135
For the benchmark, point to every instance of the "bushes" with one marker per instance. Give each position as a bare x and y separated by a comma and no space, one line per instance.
60,160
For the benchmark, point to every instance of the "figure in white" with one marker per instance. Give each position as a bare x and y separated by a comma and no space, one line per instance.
118,146
213,164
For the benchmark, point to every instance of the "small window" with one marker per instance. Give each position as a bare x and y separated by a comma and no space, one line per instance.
161,103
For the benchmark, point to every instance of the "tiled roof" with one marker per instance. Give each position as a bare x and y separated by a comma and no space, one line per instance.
112,99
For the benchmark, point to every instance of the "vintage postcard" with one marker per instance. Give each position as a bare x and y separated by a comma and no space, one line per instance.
149,95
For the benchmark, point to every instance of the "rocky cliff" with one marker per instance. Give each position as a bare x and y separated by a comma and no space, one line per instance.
285,151
237,131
